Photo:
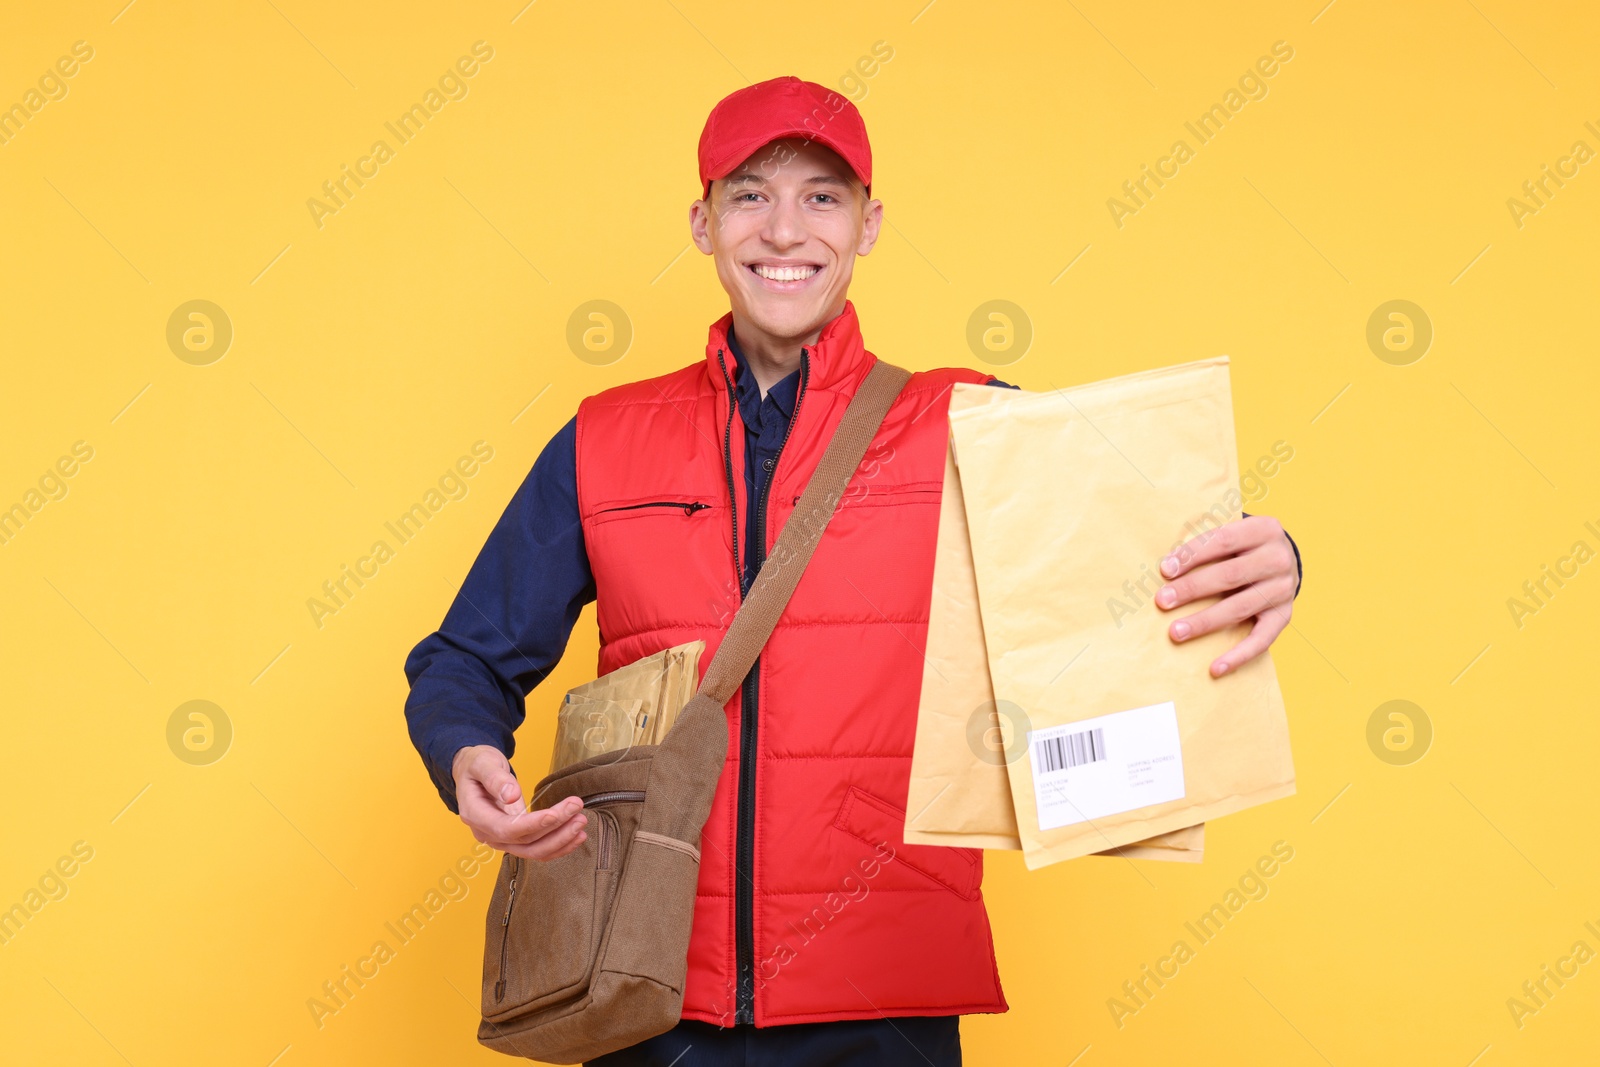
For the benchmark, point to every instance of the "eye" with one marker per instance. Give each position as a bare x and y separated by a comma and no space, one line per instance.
827,198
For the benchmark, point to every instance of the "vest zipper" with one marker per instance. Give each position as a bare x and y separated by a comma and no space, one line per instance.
689,508
727,463
744,852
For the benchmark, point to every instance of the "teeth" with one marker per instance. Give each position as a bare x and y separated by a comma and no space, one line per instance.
784,274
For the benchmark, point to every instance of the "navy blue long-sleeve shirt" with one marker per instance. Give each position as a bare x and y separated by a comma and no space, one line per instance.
510,623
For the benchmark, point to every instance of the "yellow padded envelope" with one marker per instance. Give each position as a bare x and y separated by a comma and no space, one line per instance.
1116,735
960,794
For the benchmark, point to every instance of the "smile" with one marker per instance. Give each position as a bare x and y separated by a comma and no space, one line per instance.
786,277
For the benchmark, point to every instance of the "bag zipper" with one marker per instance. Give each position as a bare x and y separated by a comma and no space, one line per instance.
610,796
608,831
689,507
505,929
744,851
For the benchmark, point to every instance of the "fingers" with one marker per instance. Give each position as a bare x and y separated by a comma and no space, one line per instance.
504,787
1270,598
491,804
545,839
509,833
1229,539
484,769
1266,630
533,826
1223,576
566,838
1250,558
499,789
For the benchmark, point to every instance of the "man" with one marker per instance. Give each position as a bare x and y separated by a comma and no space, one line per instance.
819,935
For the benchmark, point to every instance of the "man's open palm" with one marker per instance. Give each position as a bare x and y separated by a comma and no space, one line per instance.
490,799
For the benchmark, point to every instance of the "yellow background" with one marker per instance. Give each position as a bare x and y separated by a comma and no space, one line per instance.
431,310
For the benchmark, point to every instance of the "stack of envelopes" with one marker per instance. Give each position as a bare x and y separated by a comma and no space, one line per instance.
1056,715
632,705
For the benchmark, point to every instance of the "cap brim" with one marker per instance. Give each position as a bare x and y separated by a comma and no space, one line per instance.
740,151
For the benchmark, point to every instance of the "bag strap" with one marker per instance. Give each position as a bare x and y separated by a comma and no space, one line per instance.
780,574
686,766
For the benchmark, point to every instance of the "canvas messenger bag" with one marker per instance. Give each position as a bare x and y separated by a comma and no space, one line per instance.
588,953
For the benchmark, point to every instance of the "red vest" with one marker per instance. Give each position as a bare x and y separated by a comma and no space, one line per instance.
847,920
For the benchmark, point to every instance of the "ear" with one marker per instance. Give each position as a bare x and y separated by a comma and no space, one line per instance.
700,225
871,226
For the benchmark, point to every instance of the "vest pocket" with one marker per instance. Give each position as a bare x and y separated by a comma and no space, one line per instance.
689,506
549,915
664,506
879,822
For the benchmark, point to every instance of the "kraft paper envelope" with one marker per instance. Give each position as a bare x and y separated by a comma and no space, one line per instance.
1126,735
587,728
636,704
960,795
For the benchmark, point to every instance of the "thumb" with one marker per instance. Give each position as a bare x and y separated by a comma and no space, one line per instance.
505,788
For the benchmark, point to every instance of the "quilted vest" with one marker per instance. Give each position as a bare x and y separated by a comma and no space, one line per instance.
846,920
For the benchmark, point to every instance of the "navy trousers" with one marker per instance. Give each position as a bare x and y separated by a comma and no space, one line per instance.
907,1041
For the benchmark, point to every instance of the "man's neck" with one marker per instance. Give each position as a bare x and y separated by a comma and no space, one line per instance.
770,358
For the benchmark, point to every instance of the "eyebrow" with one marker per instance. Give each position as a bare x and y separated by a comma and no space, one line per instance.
752,178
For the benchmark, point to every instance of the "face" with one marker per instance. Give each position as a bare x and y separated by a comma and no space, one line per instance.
784,228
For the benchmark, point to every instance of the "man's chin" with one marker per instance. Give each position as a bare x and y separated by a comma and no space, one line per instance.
786,321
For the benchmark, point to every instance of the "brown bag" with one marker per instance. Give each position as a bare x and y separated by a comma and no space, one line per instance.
588,953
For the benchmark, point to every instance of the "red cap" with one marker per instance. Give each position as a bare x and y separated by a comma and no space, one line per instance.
744,121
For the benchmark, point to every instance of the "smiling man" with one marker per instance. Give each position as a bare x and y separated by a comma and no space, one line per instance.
819,937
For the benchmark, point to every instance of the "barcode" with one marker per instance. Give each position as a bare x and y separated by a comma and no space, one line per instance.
1069,750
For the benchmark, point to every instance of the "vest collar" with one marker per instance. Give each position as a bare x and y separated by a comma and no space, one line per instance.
839,354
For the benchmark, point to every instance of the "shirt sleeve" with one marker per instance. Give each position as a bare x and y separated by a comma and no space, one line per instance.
1299,568
509,624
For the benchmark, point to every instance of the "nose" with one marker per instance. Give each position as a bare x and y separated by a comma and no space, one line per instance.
785,226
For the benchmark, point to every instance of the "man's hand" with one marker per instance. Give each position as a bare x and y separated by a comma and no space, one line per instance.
491,804
1249,558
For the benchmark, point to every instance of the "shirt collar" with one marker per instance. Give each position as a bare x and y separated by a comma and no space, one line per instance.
781,394
837,361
